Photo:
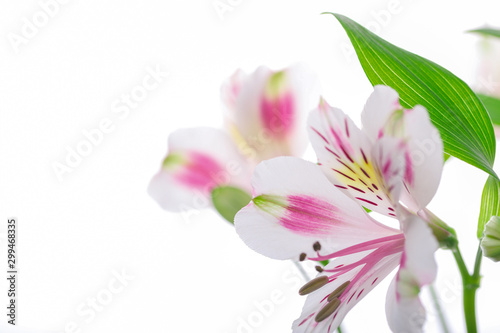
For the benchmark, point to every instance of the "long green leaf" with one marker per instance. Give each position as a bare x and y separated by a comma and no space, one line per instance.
487,32
454,109
229,200
490,203
492,104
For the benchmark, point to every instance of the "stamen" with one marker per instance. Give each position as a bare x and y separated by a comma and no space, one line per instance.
302,257
317,246
376,243
313,285
338,292
327,310
319,269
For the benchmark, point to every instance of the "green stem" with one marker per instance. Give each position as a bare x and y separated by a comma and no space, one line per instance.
470,285
439,310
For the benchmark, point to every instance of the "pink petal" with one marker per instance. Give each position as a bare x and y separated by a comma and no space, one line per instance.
199,159
295,206
267,116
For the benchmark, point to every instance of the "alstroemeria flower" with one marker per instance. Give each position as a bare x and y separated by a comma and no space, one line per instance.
266,110
397,155
265,118
199,160
296,213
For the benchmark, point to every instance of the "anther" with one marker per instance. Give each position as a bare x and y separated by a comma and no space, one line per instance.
319,269
317,246
327,310
313,285
302,257
338,292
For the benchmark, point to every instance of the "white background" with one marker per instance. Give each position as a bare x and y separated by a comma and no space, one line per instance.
191,274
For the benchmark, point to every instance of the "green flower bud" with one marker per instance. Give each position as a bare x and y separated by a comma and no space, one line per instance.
491,239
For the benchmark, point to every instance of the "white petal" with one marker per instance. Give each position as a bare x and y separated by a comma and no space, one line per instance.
424,155
389,158
230,89
378,108
346,157
295,206
267,118
420,246
198,160
403,315
418,268
424,159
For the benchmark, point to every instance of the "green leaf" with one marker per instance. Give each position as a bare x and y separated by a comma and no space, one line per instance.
453,107
490,203
229,200
487,32
492,105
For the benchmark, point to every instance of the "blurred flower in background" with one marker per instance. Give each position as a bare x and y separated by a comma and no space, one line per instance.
265,116
488,77
488,81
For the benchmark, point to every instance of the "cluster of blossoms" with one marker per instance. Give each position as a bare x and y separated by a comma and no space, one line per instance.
318,211
264,118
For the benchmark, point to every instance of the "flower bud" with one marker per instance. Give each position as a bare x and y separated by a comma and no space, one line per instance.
491,239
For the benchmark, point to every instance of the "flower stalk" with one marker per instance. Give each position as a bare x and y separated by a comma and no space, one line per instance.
471,282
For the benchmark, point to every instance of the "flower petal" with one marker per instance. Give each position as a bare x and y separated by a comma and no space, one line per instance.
266,118
389,158
230,89
378,109
198,160
424,159
405,315
404,310
295,206
347,158
420,246
383,116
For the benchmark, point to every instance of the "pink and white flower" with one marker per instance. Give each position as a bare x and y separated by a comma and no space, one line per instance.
266,111
265,118
398,154
305,211
297,214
